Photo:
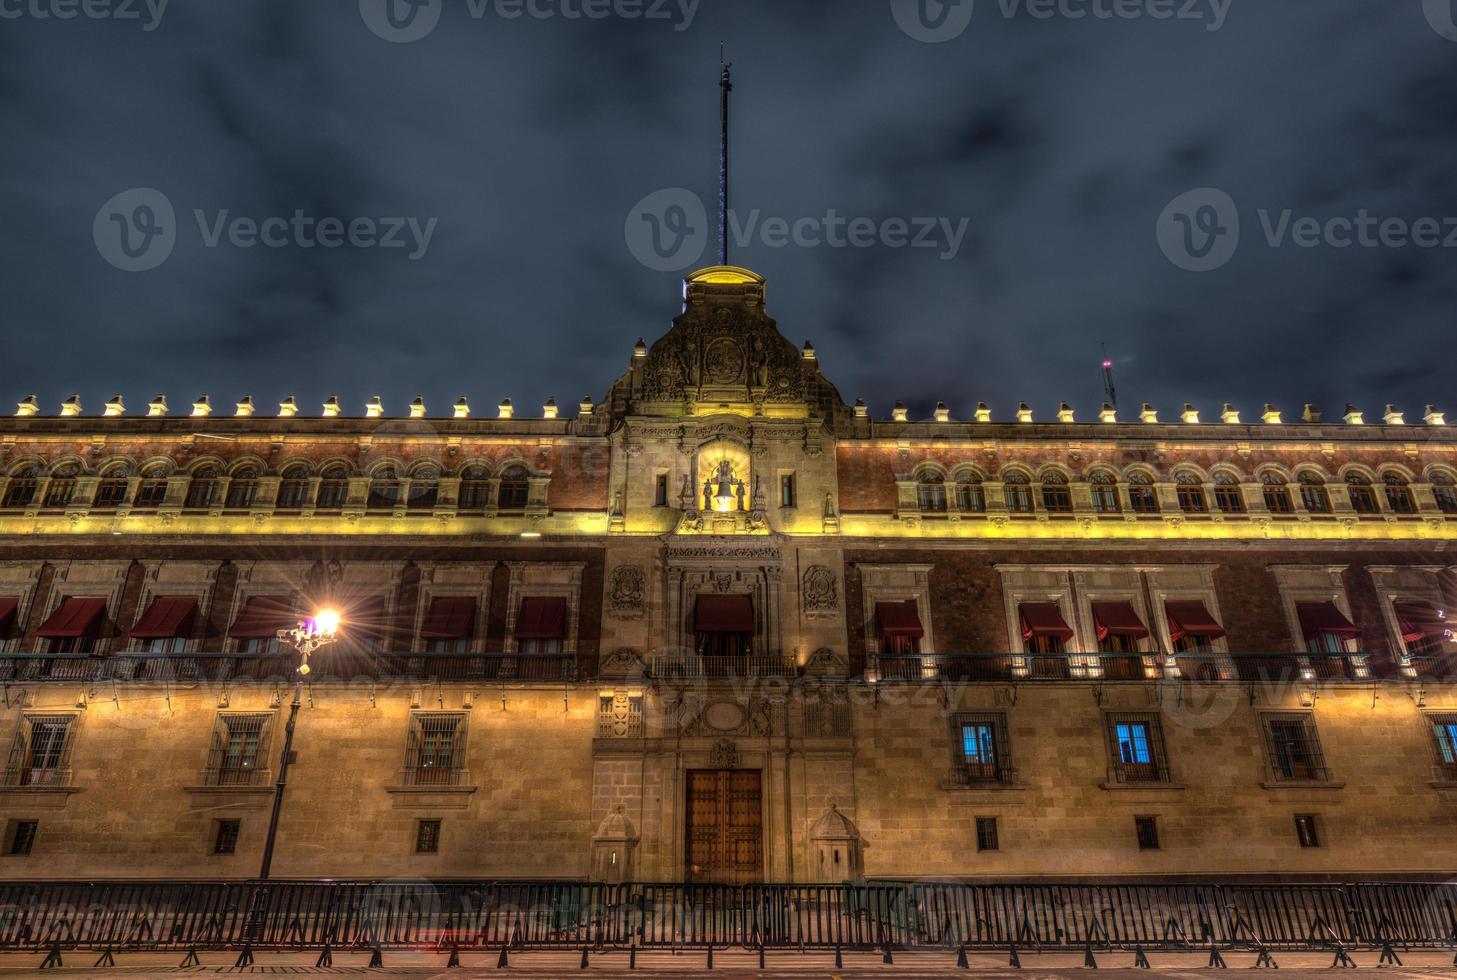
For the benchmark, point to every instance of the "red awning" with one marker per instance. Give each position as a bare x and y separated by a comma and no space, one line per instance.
1118,619
7,615
899,619
723,614
1044,619
1317,618
1188,617
263,616
542,619
75,617
1419,620
450,618
168,616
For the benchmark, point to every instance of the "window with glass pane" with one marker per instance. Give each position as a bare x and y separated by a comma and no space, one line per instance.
1018,493
424,489
1399,495
242,489
1444,732
293,489
434,755
1277,494
202,489
1142,497
1191,494
20,490
238,745
1136,743
61,488
475,490
1445,492
152,491
1313,494
515,489
384,491
1294,748
931,493
1363,497
982,754
1105,493
970,495
1227,495
1056,497
333,489
259,646
111,491
42,751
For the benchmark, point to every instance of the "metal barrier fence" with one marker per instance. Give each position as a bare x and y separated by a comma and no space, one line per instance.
545,915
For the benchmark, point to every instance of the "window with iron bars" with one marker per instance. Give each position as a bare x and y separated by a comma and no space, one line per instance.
40,754
1444,744
1136,748
238,756
1307,829
1147,831
225,836
20,837
1294,748
427,837
983,750
435,749
986,834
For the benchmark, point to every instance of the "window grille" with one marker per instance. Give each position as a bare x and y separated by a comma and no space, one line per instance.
435,750
1294,749
427,837
225,840
1136,747
983,750
1307,830
1444,744
238,756
1147,829
40,754
986,834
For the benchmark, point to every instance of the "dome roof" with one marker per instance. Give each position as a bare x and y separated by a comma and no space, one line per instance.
834,825
616,826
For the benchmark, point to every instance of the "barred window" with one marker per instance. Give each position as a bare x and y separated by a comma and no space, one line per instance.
1444,739
1313,494
1307,830
203,489
1105,493
435,750
20,836
40,754
111,491
293,488
1445,492
1294,748
970,495
427,837
931,493
20,491
1147,831
242,489
1018,494
333,489
986,834
225,836
424,489
475,489
983,752
1277,494
152,491
515,489
384,490
1141,494
1056,497
238,756
1399,495
1227,495
62,487
1363,497
1136,747
1191,494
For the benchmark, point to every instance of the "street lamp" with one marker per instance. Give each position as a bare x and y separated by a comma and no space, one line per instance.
306,639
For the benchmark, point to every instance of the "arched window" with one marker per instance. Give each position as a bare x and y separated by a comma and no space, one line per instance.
384,490
931,493
20,491
515,488
1313,494
62,487
1277,494
475,490
1227,495
1105,493
333,489
242,489
1363,497
970,495
1444,489
1018,492
424,488
203,489
1399,495
152,490
1191,494
1056,498
111,491
1141,495
293,488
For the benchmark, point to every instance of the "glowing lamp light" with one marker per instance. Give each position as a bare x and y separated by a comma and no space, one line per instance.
324,622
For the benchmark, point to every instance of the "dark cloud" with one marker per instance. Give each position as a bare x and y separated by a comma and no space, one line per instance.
1060,141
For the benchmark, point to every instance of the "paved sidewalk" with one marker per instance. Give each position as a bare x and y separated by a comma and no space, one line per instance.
727,964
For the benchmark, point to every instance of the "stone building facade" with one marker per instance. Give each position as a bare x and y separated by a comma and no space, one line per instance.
721,625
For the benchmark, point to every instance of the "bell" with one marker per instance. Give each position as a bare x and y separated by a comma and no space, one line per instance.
725,495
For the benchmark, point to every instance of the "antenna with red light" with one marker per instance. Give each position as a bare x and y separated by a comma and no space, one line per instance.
1108,387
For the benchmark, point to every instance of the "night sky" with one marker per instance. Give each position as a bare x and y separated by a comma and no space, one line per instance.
530,141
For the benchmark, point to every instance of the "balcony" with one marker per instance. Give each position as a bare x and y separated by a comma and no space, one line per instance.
148,667
691,666
1264,668
973,775
430,777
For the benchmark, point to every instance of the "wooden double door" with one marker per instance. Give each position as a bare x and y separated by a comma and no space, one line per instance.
725,832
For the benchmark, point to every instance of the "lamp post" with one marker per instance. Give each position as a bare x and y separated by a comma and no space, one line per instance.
306,639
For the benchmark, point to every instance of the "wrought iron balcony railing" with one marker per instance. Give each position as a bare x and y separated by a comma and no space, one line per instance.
424,777
1271,668
974,774
205,667
239,776
692,666
33,777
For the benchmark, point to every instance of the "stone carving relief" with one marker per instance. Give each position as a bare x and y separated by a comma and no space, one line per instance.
623,662
724,755
626,591
697,717
821,590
